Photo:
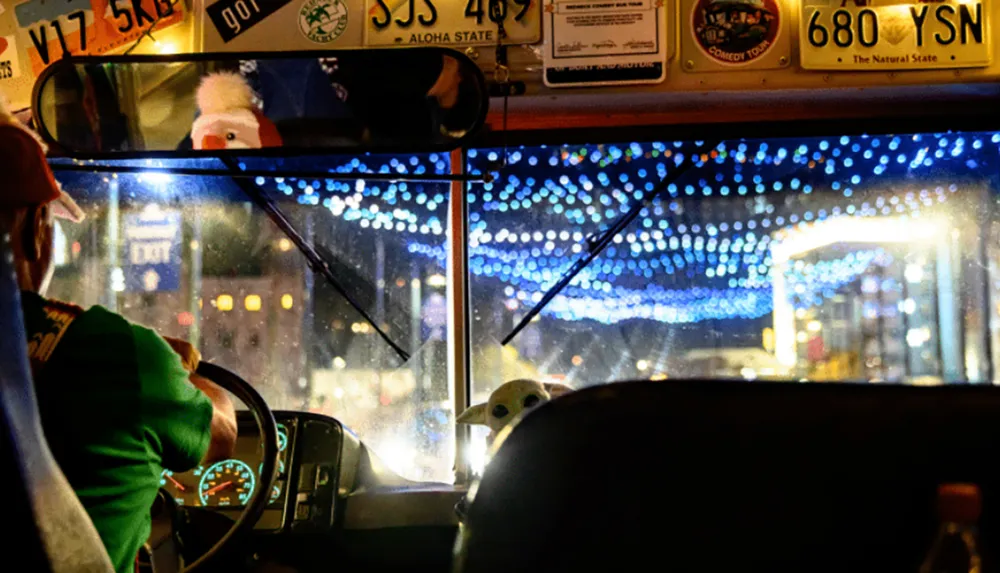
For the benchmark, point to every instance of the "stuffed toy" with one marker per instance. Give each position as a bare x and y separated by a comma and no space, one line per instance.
509,400
229,119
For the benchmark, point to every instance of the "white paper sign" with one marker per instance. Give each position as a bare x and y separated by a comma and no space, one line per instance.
9,67
604,42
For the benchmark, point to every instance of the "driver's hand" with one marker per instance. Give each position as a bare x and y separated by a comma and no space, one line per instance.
224,429
190,356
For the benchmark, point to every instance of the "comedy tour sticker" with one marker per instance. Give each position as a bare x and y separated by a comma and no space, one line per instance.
323,21
9,68
735,32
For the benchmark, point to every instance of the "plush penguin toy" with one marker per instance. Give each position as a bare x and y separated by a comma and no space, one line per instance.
229,119
509,400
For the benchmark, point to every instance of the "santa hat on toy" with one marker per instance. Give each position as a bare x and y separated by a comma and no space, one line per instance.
229,119
27,178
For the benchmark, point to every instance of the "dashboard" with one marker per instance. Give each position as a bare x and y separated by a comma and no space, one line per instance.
229,483
331,495
326,478
311,450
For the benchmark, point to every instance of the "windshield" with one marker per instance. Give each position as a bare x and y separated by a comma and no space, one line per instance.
195,257
821,258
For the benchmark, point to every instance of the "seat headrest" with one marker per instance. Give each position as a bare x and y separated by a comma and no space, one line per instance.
731,476
49,531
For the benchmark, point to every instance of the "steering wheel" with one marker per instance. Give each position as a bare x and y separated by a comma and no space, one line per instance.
269,438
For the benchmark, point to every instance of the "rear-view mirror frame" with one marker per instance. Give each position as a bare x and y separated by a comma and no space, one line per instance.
58,150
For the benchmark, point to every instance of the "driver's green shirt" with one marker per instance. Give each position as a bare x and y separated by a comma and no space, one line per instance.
117,408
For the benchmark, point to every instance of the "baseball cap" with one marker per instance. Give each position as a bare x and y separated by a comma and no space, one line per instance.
28,179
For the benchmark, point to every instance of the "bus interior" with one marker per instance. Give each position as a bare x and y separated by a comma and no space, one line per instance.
772,292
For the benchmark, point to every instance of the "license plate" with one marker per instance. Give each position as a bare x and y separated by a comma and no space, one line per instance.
876,35
451,22
51,30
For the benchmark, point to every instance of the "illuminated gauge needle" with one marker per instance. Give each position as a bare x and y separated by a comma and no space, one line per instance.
179,485
219,487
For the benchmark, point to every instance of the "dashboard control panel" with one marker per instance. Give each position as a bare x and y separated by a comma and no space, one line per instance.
229,483
304,494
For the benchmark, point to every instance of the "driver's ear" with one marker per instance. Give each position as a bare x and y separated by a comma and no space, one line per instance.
474,415
34,232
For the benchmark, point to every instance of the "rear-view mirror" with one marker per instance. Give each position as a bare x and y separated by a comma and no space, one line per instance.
420,99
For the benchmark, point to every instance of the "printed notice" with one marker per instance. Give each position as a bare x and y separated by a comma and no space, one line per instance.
604,42
9,68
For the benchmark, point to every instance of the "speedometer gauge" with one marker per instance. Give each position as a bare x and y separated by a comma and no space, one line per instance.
282,437
178,486
228,482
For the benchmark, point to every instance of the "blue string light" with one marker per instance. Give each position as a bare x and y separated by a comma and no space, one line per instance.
685,258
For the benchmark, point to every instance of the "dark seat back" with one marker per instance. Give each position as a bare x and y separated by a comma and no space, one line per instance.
47,528
732,476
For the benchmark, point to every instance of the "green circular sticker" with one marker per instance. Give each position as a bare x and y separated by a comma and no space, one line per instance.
323,21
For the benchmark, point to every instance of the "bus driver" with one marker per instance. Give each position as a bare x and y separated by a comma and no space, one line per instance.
116,402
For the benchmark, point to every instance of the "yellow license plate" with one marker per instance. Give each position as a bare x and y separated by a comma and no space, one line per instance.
451,22
876,35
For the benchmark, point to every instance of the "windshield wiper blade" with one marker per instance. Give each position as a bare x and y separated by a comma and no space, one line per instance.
596,245
316,262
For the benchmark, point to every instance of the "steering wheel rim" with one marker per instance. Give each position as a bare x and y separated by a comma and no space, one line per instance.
260,497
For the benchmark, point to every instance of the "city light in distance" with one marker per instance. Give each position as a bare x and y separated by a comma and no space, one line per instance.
252,302
287,302
642,365
437,280
224,302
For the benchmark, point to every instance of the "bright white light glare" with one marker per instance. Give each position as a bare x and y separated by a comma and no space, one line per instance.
437,280
166,47
339,363
796,241
914,273
642,365
59,250
475,455
156,177
814,326
801,336
909,306
800,313
748,373
400,457
338,393
916,337
118,279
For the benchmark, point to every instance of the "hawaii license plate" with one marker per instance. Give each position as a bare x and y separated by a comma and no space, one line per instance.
886,35
451,22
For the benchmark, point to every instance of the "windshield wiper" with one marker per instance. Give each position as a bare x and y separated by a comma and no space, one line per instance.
595,245
317,263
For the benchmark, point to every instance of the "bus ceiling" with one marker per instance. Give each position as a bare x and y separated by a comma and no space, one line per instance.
542,65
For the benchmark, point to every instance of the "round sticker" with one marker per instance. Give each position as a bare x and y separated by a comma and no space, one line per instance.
323,21
735,32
